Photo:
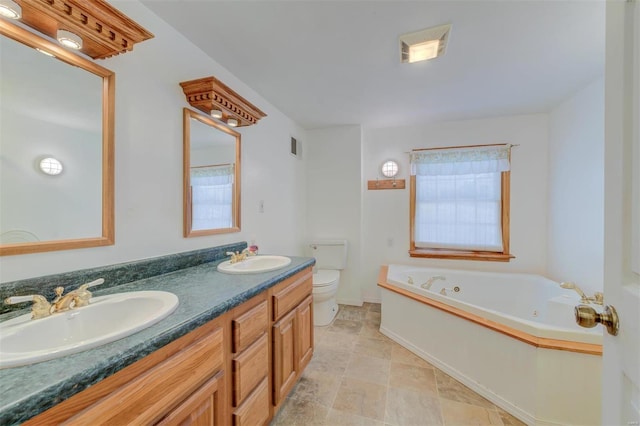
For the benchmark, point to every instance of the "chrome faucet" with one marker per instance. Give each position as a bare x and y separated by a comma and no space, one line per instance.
41,308
427,285
598,297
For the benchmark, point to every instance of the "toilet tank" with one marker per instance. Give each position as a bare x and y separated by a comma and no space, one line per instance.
329,254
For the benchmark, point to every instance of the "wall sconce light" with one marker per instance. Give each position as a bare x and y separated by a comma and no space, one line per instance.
232,122
389,169
69,39
50,166
216,113
10,9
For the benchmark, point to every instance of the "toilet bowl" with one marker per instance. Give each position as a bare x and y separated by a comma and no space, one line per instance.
331,258
325,287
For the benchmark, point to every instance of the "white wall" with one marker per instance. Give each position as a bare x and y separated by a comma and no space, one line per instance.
576,189
333,157
148,171
385,228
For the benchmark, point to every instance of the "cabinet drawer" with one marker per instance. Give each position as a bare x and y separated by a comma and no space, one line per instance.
288,294
248,326
255,410
249,368
147,397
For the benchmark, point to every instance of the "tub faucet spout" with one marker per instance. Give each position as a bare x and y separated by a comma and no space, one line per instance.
427,285
573,286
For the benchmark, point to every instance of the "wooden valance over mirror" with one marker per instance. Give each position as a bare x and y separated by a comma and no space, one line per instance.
104,30
214,98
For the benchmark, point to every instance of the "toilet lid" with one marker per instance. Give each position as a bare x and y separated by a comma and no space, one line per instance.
323,277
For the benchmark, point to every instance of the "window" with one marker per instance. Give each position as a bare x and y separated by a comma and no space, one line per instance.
212,197
460,203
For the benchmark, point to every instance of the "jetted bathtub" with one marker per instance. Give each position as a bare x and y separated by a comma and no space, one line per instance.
512,338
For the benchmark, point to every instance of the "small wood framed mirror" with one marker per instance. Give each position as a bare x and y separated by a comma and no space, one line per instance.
211,153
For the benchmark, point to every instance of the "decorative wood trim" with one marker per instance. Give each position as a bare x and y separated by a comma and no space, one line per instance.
386,184
461,255
538,342
209,93
105,31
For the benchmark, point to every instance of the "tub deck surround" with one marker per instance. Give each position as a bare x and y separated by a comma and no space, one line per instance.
204,294
531,339
518,364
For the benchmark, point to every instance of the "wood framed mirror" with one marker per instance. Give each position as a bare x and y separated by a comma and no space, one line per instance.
211,153
60,106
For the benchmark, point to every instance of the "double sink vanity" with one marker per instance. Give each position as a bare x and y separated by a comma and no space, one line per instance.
192,337
228,351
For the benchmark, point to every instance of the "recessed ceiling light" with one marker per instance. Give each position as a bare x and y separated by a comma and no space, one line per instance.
69,39
424,44
10,9
232,122
216,113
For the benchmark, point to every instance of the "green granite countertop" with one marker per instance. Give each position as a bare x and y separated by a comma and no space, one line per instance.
204,294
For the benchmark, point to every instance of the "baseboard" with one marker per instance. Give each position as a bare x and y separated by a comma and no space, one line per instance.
352,302
473,385
372,299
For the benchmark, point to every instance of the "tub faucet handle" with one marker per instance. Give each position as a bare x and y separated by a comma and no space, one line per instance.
427,285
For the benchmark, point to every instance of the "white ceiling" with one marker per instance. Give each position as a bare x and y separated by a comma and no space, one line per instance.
329,63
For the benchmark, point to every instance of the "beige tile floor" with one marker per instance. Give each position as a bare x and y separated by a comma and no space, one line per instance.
358,376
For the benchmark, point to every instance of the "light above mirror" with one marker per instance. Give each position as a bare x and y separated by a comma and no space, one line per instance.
211,178
74,209
10,9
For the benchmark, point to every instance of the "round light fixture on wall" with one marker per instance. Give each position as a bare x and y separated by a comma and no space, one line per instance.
50,166
389,168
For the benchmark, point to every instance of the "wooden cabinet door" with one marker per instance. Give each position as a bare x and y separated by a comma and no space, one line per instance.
304,332
285,357
204,407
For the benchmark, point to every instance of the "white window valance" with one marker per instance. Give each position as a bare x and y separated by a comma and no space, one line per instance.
461,160
213,175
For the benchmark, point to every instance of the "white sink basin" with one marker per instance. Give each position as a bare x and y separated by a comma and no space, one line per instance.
25,341
254,264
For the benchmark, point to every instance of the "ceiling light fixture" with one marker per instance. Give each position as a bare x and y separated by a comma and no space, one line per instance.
10,9
69,39
216,113
424,44
232,122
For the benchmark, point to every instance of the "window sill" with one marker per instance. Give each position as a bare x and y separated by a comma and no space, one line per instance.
461,255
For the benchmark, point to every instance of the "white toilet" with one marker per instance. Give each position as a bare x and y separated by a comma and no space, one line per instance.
331,258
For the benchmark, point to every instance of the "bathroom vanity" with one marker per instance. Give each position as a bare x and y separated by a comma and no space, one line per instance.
229,354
